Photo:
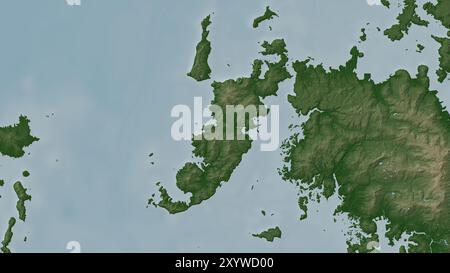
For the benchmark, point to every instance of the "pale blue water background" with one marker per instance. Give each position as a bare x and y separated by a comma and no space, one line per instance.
111,70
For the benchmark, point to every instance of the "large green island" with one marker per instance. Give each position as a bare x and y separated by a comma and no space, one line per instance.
383,147
221,157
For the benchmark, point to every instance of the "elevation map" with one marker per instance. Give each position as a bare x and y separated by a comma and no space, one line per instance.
208,126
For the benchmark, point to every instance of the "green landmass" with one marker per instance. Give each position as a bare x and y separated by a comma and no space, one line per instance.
269,234
268,15
384,148
219,158
2,182
22,196
405,19
440,11
403,249
363,36
8,236
444,57
13,139
386,3
303,205
420,48
26,173
200,70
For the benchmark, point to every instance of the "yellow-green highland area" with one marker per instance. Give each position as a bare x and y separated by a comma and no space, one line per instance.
221,157
383,147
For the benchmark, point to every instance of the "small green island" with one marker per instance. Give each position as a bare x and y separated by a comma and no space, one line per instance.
22,197
420,48
200,70
268,15
363,36
8,236
269,234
